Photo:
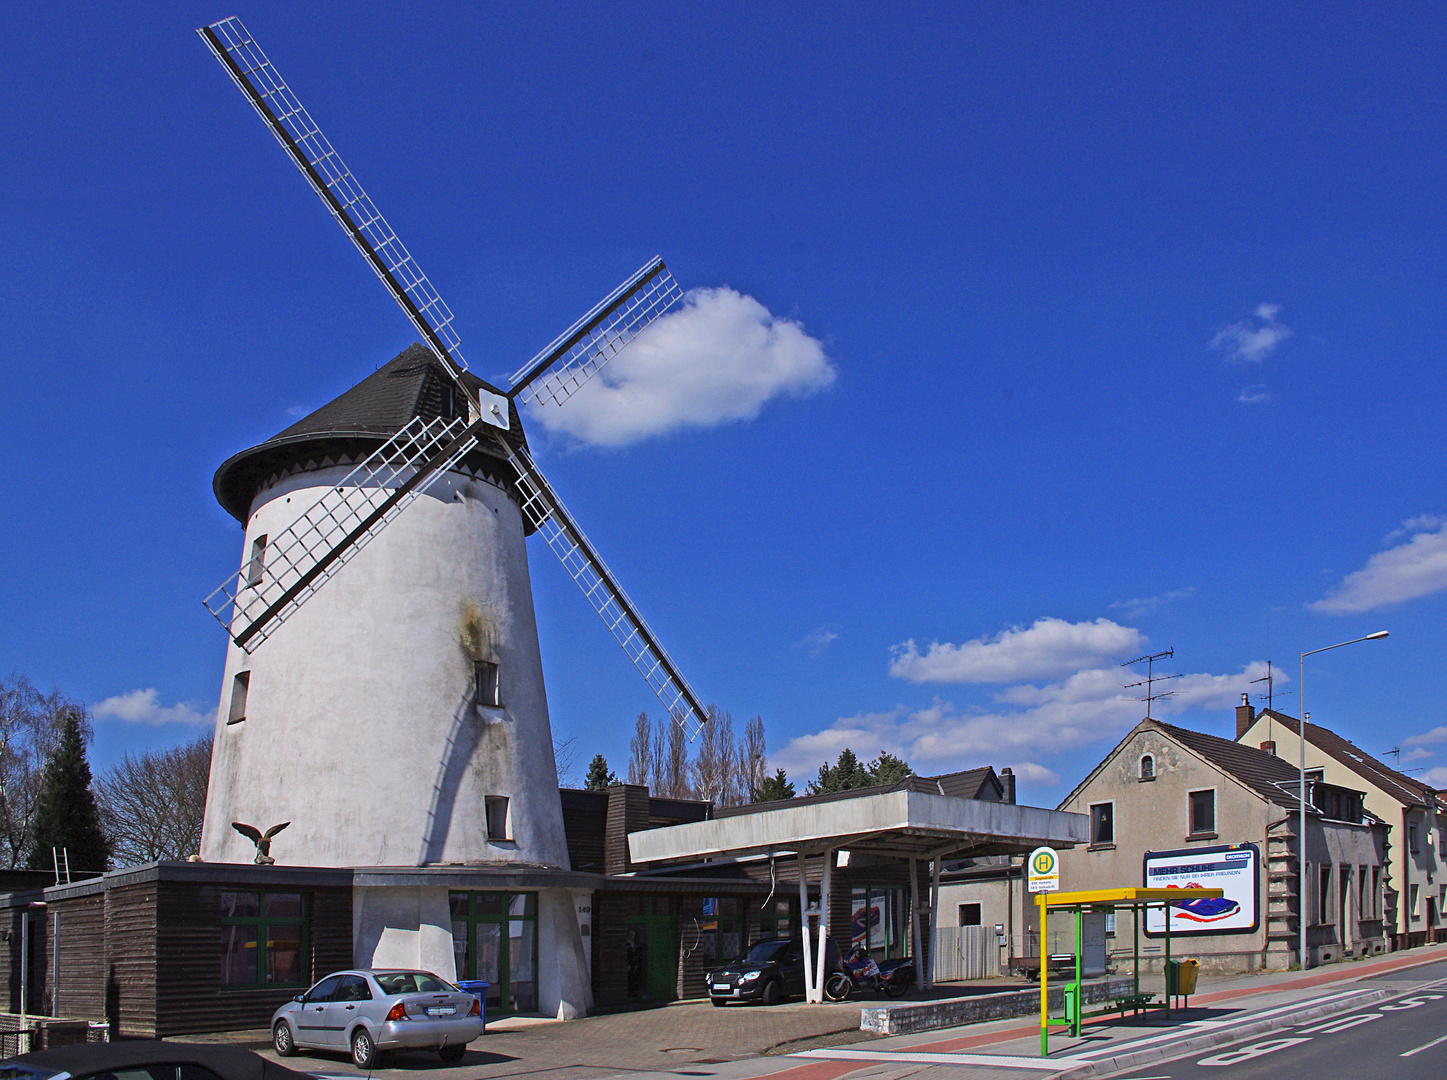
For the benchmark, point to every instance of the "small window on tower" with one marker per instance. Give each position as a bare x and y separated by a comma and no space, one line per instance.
496,806
485,689
239,687
258,558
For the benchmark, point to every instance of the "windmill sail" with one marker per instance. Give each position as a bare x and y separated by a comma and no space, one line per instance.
597,337
545,512
288,568
329,176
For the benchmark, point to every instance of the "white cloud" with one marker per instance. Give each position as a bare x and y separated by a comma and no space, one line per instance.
1049,648
1089,707
1410,570
1134,609
141,707
816,641
718,358
1420,523
1435,778
1253,339
1436,735
1032,773
1255,394
1417,753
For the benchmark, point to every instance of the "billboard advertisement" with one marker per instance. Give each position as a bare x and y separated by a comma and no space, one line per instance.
1235,869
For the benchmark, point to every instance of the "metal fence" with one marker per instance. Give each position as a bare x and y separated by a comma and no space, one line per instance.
966,952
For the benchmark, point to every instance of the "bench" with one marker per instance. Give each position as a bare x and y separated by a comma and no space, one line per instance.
1133,1002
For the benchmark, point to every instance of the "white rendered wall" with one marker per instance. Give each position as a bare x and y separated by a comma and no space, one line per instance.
403,926
360,728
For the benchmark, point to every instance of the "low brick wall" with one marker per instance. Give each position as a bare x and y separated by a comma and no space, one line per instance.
909,1017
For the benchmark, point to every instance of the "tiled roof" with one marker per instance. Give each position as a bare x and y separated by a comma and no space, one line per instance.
1400,786
960,785
1266,774
413,383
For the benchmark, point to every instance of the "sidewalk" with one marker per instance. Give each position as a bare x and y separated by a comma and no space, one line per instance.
1230,1009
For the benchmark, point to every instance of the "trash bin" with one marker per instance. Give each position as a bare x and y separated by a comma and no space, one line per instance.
1186,977
1072,1004
478,989
1173,977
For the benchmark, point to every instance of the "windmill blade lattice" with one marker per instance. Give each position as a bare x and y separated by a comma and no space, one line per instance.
286,569
545,512
578,352
329,176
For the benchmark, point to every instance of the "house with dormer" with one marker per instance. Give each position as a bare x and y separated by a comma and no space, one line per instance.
1173,806
1415,889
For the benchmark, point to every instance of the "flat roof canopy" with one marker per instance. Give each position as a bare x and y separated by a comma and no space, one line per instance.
897,823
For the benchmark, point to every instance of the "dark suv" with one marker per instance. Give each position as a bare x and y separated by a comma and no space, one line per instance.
767,971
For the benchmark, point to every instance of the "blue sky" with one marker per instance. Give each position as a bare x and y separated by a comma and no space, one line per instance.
1049,336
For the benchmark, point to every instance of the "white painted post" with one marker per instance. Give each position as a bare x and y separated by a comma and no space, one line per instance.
804,928
914,950
823,922
934,915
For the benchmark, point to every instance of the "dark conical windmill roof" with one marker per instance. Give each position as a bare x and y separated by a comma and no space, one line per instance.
412,384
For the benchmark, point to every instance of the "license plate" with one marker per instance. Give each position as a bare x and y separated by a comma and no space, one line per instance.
722,986
444,1010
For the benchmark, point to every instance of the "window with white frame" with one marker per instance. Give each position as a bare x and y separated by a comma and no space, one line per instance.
1102,823
1148,767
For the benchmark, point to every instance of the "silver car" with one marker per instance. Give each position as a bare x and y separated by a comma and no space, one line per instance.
368,1012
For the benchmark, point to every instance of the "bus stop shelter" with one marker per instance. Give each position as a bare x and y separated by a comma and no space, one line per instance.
1108,901
912,821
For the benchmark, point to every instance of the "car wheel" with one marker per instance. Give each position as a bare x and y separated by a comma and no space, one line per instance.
281,1039
772,993
364,1050
452,1052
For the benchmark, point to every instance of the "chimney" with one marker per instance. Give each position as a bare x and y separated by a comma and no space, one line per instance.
1245,717
1269,745
1007,781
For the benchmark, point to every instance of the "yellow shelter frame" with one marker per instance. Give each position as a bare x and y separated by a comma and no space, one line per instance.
1107,900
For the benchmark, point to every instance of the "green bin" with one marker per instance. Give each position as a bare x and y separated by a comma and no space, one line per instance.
1072,1004
1173,976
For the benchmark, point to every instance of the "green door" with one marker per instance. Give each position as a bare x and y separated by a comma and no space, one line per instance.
652,957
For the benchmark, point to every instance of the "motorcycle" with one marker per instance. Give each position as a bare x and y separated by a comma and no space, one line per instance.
861,973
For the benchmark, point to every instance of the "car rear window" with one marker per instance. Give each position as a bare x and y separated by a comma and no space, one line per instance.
411,982
763,952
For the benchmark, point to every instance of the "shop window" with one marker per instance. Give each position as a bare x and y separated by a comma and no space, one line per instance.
485,689
969,914
720,931
1364,905
495,806
1324,909
495,939
778,918
1203,812
1412,902
240,688
1148,767
1102,823
264,939
1376,908
879,921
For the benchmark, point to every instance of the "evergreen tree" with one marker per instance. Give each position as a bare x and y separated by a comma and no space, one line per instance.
888,769
774,788
67,817
599,778
846,774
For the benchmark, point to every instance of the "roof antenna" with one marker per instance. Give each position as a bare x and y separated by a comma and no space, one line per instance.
1150,678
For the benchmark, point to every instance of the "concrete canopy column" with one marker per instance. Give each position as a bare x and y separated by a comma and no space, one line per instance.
804,928
823,924
914,942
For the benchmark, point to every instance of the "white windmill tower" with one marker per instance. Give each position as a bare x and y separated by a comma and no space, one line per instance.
397,716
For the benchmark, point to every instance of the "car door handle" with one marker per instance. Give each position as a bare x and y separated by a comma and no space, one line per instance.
321,1008
350,1007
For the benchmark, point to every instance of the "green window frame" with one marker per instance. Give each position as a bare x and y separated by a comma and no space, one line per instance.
495,939
265,939
721,930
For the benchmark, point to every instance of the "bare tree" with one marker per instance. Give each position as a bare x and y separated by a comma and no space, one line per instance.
30,727
660,755
565,761
640,752
716,769
152,805
753,764
673,780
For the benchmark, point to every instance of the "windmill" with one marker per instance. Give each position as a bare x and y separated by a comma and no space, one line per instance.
339,500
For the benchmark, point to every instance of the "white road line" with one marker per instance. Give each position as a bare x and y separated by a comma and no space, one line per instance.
1425,1046
1000,1061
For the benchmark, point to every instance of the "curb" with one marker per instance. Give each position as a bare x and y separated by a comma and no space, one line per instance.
1106,1066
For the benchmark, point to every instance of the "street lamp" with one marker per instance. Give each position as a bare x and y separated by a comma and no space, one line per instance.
1301,793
